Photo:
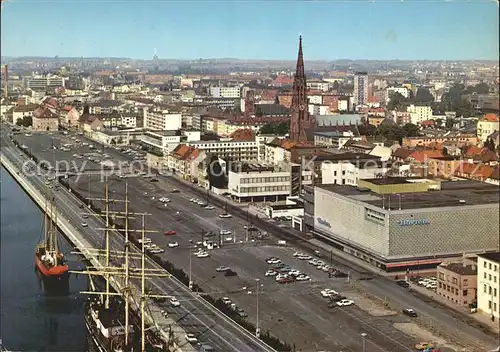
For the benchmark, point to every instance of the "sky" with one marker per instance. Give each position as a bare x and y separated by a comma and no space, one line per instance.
331,29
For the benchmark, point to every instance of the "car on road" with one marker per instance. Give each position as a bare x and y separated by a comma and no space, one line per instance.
164,200
222,268
421,346
174,302
230,273
191,338
225,232
85,216
410,312
84,224
202,255
327,293
241,313
193,200
153,180
146,240
175,190
173,244
403,283
345,303
305,257
156,250
225,216
170,233
273,261
337,298
210,207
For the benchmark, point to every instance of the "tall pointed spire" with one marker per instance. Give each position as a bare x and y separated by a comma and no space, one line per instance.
301,121
299,72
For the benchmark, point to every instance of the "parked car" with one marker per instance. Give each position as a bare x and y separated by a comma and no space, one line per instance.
410,312
230,273
170,233
202,255
191,338
173,244
336,298
174,302
421,346
175,190
345,302
225,216
327,293
222,268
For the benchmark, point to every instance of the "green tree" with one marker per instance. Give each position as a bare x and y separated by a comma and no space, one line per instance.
367,130
25,121
397,102
268,128
282,129
411,130
439,122
391,132
449,123
423,96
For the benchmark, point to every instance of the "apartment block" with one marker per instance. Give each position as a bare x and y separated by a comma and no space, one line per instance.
234,150
457,282
161,120
488,283
487,126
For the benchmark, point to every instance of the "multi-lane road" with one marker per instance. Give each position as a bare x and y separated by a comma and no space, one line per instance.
194,316
295,312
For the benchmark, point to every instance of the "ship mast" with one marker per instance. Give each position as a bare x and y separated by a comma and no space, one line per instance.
45,224
54,237
107,270
50,245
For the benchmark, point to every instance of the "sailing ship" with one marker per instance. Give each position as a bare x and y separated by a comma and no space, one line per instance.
49,260
111,325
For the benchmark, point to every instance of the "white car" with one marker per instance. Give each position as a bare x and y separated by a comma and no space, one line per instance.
294,272
226,300
192,200
202,255
146,240
298,254
305,257
174,302
84,224
345,302
173,244
225,216
225,232
210,207
328,293
157,250
319,264
191,338
270,273
281,277
164,200
273,261
302,277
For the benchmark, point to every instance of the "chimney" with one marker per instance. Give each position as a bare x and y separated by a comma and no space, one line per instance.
6,81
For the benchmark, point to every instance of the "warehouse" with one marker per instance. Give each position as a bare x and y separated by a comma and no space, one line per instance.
398,224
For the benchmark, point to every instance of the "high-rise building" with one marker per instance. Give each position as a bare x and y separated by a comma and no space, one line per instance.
301,120
360,88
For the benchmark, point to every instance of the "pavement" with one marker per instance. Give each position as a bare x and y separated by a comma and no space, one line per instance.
194,315
296,312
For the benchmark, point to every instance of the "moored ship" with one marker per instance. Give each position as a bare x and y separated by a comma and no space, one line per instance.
49,260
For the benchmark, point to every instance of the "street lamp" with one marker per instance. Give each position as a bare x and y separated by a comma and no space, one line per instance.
257,328
363,336
190,259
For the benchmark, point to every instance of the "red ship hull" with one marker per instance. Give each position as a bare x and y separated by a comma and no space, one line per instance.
55,271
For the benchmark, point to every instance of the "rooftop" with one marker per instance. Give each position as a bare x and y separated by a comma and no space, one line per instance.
493,256
452,193
460,268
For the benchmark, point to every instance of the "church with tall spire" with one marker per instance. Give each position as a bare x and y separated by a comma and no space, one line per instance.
301,120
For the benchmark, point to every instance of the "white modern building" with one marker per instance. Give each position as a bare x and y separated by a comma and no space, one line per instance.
40,82
419,113
349,173
162,141
488,283
161,120
234,150
264,182
262,140
225,92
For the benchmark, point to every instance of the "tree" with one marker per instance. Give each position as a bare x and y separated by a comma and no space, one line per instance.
268,128
490,144
411,130
423,96
25,121
391,132
450,122
282,129
439,122
397,102
216,176
367,130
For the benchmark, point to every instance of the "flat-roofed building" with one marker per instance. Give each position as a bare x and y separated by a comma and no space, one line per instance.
407,223
488,283
255,182
457,282
162,141
228,149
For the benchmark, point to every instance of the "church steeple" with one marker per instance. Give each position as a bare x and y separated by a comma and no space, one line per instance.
301,120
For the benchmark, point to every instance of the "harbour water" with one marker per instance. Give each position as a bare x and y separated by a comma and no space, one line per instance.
34,317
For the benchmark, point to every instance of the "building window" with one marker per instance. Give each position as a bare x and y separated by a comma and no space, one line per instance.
489,304
489,277
489,290
494,279
485,275
495,292
484,288
485,264
494,307
490,266
464,293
